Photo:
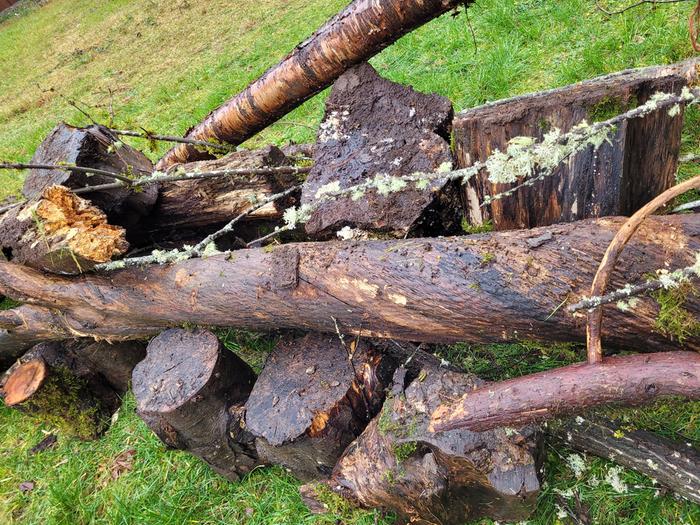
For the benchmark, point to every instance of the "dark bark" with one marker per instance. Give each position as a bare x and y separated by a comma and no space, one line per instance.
615,179
190,391
480,288
93,147
76,385
674,465
314,396
356,34
628,380
447,478
60,232
373,126
28,326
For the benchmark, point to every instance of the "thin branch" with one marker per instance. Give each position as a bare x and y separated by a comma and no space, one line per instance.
66,167
171,138
637,4
694,205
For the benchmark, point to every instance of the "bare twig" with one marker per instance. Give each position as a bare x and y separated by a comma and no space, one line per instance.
694,205
67,167
171,138
636,4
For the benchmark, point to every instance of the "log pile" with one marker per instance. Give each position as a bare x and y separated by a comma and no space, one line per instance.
346,401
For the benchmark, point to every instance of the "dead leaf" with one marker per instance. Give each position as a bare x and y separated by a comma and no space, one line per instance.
122,464
26,486
45,444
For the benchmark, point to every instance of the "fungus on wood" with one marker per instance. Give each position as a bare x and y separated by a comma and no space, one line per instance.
190,391
444,478
314,396
60,232
615,179
376,128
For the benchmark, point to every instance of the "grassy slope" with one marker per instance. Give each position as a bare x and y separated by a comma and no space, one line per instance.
169,63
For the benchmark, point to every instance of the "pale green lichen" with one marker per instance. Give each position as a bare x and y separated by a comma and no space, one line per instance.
299,215
328,189
674,111
210,250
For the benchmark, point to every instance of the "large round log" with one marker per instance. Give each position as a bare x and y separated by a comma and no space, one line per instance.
314,396
190,391
496,287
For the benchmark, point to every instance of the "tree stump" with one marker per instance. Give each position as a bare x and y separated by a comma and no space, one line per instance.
190,391
442,478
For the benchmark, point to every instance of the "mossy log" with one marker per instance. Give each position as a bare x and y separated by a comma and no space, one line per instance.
190,391
93,147
73,385
374,126
445,478
672,464
497,287
60,232
314,396
615,179
627,380
356,34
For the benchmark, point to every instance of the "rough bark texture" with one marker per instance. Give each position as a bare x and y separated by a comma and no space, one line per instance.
616,179
76,384
373,126
27,326
627,380
59,232
356,34
480,288
190,391
93,147
445,478
314,396
674,465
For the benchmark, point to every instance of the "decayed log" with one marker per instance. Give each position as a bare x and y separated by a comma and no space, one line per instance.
314,396
93,147
502,286
354,35
60,232
674,465
29,326
190,391
376,127
615,179
75,385
628,380
445,478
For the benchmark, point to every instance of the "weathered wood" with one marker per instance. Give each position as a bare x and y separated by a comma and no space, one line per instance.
93,147
628,380
615,179
190,391
28,326
672,464
354,35
372,127
60,232
314,396
447,478
479,288
75,385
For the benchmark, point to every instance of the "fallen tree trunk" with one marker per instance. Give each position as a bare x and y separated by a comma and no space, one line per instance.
354,35
628,380
498,287
190,391
60,232
674,465
29,326
615,179
315,395
449,478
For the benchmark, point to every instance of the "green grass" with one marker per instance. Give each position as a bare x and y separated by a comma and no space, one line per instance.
164,65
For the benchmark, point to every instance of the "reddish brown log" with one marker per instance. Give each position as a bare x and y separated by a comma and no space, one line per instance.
615,179
28,326
373,126
485,288
627,380
314,396
448,478
356,34
190,391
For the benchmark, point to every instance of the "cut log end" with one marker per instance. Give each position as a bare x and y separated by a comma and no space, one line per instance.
26,379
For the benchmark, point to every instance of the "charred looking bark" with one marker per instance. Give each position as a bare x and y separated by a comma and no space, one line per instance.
482,288
615,179
314,396
356,34
674,465
447,478
75,385
190,391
